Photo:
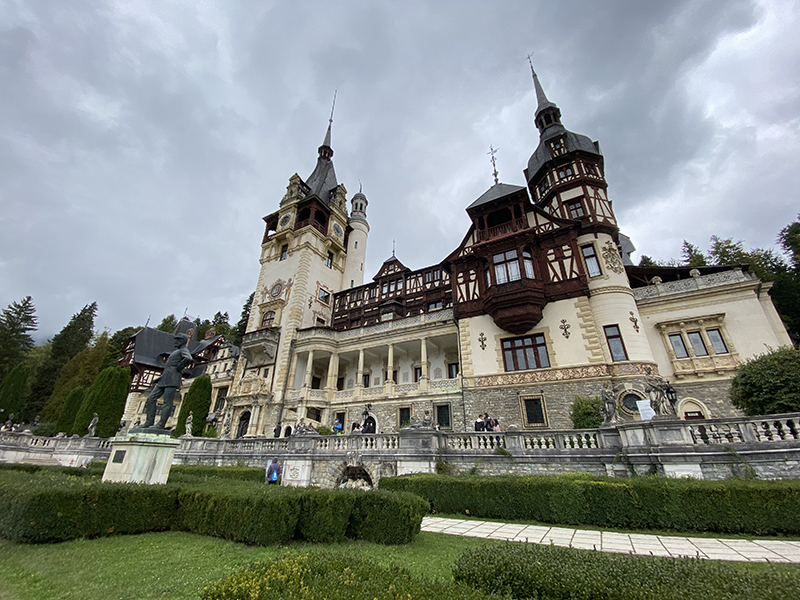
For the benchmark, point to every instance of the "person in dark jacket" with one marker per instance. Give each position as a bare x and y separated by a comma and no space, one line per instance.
479,424
273,471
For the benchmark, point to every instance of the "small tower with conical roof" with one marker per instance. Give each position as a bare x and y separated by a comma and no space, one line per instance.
358,230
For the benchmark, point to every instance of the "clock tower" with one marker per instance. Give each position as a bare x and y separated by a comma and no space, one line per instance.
311,249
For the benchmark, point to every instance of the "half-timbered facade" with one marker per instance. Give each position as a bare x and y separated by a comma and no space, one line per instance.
538,304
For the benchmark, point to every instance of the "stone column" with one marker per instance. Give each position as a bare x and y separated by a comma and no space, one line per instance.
359,375
333,371
389,383
255,414
309,369
424,385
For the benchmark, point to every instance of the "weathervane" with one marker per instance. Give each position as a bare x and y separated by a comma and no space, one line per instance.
493,151
393,256
533,73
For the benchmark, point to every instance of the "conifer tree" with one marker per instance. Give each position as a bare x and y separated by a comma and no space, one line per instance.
241,327
198,401
81,370
69,409
17,320
73,338
12,391
106,397
116,345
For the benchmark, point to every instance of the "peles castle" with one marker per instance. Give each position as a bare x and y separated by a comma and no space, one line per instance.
538,304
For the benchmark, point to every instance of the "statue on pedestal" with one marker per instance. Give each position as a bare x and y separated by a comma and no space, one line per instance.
92,426
188,425
608,409
167,385
657,388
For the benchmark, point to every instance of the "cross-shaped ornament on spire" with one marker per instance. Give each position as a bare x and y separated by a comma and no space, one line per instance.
493,151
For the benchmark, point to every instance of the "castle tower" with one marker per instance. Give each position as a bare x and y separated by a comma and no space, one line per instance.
303,260
565,177
358,230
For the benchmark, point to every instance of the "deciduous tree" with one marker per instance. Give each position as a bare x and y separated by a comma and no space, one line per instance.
769,383
585,412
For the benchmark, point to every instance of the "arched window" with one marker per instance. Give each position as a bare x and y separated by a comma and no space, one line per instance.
527,261
268,319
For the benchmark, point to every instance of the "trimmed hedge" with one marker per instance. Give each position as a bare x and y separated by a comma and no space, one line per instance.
553,572
49,506
729,506
180,473
295,576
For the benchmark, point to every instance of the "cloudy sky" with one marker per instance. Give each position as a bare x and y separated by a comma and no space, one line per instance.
142,142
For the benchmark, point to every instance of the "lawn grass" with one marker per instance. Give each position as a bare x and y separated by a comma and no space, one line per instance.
177,565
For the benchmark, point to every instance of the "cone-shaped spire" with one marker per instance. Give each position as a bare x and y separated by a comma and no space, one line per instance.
547,113
541,97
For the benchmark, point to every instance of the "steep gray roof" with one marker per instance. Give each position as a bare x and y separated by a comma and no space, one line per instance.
574,141
498,190
323,179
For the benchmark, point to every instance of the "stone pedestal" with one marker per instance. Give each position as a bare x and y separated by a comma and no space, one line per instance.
140,458
296,472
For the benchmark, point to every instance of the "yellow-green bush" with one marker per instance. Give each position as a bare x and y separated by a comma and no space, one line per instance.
328,575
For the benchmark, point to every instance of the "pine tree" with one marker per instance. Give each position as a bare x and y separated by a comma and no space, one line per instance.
73,338
69,409
81,370
198,401
17,320
106,397
692,255
241,326
12,391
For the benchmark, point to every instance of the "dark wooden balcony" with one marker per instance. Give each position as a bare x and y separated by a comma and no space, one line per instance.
516,306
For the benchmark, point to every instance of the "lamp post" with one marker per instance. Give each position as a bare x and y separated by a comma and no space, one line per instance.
672,395
365,414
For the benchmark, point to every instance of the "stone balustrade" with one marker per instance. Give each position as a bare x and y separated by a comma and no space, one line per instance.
713,448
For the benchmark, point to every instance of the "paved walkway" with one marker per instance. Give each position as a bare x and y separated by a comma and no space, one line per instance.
754,550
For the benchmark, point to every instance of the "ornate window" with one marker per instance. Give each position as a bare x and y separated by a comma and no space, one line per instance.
529,352
268,319
534,412
284,251
329,260
615,344
592,264
698,345
506,267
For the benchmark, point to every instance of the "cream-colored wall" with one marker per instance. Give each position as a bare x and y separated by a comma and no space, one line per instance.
562,351
749,327
356,257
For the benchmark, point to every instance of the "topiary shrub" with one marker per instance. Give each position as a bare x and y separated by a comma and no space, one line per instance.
69,410
325,514
386,517
585,412
106,397
197,401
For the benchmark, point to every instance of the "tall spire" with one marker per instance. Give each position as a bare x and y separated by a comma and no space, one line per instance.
541,98
326,151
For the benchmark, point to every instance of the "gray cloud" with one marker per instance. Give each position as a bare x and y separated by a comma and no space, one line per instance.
141,143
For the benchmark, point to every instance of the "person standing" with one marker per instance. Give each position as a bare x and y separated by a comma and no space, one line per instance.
273,471
479,424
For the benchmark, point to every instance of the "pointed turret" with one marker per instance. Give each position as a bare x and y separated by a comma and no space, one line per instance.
547,113
323,180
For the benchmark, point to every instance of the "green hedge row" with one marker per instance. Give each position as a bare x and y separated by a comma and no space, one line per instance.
183,472
533,571
730,506
297,576
49,507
